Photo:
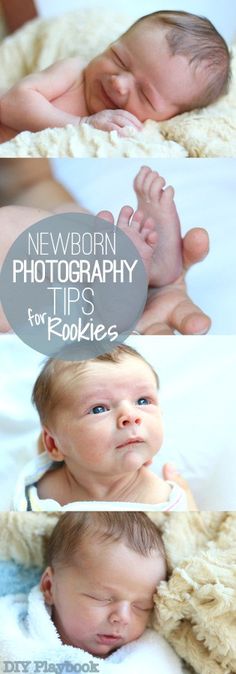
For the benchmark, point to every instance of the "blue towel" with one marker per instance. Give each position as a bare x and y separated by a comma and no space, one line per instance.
16,578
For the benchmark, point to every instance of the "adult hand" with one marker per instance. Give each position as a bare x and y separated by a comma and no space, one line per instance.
170,473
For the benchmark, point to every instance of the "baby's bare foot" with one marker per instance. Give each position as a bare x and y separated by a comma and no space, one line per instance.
158,203
141,231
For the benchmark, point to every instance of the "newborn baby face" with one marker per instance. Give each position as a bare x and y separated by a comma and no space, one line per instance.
110,423
104,598
139,74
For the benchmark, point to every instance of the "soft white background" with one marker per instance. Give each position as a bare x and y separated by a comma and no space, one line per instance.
205,197
197,398
221,12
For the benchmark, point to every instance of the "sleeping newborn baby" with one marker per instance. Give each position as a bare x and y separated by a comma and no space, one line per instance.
95,599
101,427
166,63
102,572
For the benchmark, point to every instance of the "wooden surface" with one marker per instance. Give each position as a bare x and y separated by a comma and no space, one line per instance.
17,12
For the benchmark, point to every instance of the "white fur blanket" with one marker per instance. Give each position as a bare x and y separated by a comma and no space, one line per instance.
206,133
28,633
196,608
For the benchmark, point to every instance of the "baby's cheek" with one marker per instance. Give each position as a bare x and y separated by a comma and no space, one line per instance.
141,624
135,109
94,446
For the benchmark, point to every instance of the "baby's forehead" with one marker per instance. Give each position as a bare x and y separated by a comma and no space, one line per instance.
110,373
140,30
99,555
103,540
145,46
86,382
147,23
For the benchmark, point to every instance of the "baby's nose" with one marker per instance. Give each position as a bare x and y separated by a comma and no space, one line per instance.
120,614
121,83
127,414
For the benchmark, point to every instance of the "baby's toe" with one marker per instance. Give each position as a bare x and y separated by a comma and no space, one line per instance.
124,216
168,194
156,188
140,178
106,215
137,221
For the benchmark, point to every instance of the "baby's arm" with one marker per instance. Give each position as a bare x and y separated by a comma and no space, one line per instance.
29,103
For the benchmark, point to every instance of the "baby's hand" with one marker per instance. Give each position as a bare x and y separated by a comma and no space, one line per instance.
114,120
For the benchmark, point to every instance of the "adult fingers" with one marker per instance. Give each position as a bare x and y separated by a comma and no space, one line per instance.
188,319
146,327
195,246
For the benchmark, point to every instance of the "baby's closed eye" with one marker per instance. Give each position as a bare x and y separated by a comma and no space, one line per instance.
143,607
104,599
118,60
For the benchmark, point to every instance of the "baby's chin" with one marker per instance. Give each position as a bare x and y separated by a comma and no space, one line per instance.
97,650
102,652
134,460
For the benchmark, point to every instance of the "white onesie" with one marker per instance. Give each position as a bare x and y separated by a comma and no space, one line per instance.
26,496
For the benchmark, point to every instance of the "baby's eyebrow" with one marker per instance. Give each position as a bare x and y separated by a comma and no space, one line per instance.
98,390
95,396
98,587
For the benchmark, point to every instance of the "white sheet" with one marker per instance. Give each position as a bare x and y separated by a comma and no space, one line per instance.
205,197
197,399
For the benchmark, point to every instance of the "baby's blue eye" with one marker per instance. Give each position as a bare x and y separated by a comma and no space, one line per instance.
98,409
143,401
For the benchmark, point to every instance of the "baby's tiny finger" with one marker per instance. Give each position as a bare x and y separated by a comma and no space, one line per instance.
131,119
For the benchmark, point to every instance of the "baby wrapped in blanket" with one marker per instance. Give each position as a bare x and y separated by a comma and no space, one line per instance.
94,602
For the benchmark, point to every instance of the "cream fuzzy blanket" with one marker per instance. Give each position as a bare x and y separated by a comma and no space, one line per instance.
196,609
206,133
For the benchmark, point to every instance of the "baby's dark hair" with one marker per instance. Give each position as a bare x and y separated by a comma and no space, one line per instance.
56,379
135,529
196,38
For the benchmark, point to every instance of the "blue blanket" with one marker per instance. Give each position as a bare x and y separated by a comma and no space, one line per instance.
16,578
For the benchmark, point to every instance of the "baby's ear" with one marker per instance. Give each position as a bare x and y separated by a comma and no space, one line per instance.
46,585
50,445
